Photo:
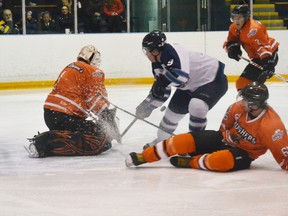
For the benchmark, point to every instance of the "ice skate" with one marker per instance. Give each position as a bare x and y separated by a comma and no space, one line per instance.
134,159
180,162
31,149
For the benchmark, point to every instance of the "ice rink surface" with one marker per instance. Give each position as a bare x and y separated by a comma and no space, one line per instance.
102,185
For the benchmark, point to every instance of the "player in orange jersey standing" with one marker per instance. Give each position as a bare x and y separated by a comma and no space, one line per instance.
78,93
249,128
253,37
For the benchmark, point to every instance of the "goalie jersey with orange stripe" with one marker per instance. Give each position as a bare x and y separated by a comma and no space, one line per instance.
256,136
79,89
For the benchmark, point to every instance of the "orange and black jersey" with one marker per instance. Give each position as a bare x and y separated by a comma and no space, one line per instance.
254,39
78,90
257,135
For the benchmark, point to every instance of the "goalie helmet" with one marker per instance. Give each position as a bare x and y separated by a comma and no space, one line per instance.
241,10
91,55
154,40
255,94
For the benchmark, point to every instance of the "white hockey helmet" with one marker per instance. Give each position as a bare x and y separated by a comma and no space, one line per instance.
91,55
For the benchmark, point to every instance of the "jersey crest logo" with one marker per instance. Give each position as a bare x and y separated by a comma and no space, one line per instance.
252,32
97,73
170,62
278,134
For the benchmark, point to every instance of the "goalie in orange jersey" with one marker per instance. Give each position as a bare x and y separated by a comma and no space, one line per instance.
78,93
249,128
254,39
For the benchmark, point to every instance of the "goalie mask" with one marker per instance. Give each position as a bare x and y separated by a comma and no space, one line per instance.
255,94
154,40
91,55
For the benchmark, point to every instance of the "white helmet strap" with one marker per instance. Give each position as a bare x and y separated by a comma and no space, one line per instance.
96,59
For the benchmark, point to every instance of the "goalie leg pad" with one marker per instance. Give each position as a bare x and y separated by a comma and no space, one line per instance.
66,143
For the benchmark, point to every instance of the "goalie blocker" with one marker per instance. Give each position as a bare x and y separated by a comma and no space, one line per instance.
67,143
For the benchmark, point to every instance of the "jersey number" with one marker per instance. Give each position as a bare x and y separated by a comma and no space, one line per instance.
285,151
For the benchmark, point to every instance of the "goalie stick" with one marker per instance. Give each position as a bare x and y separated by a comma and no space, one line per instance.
261,68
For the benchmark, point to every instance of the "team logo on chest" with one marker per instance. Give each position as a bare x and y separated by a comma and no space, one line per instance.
252,32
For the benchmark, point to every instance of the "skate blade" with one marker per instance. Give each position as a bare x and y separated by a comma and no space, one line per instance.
30,153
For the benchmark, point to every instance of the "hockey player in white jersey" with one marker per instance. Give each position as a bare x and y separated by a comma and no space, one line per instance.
199,80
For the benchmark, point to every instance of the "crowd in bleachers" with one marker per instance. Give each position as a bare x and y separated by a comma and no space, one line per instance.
57,16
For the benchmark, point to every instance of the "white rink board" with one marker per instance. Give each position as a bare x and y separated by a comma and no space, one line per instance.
42,57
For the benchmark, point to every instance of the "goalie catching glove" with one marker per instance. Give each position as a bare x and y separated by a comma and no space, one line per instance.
110,122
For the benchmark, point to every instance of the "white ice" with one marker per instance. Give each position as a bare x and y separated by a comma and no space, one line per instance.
102,185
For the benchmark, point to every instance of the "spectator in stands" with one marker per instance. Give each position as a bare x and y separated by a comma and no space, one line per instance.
46,24
68,3
30,3
31,24
65,20
113,10
6,4
7,25
1,6
95,16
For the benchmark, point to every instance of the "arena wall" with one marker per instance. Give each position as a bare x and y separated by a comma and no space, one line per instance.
29,61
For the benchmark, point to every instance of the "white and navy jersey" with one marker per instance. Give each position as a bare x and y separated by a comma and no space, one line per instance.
185,69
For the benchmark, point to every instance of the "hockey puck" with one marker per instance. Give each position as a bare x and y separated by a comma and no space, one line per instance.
163,108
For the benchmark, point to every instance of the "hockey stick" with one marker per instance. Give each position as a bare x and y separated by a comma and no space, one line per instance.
140,119
129,126
261,68
163,108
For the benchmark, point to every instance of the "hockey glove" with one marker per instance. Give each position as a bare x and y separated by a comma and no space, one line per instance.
109,120
231,139
158,91
234,50
268,70
144,109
